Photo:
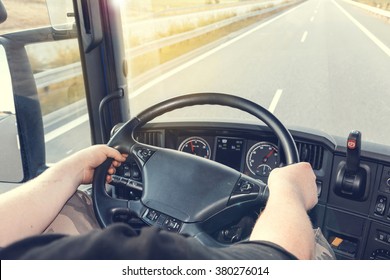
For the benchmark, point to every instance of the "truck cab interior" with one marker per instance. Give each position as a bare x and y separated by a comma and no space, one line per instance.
208,97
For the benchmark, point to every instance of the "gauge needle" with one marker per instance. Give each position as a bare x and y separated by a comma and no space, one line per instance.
265,159
192,147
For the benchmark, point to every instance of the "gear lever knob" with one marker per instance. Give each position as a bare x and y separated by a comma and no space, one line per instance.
353,151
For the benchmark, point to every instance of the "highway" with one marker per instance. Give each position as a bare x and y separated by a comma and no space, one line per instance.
323,64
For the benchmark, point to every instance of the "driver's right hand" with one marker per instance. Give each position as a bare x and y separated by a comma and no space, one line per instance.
294,182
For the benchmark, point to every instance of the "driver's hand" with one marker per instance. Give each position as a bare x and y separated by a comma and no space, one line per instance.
296,181
88,159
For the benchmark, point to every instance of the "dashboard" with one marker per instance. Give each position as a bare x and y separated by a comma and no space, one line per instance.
356,225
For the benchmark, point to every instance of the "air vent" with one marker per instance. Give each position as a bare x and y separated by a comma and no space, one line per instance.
154,138
311,153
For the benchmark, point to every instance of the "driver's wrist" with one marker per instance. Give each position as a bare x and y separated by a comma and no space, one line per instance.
66,174
285,194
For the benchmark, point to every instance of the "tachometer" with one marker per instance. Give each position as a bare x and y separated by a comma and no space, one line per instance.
262,157
196,146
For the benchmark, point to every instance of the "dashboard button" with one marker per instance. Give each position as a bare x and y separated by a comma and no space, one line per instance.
246,187
126,171
152,215
172,225
381,236
246,190
380,254
163,221
135,172
144,154
160,220
380,206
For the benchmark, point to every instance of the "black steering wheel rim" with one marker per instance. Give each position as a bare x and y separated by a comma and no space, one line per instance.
123,140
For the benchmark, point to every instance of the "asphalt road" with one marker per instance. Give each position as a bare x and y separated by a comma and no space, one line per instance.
323,64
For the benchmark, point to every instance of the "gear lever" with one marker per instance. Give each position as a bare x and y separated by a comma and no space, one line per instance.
351,177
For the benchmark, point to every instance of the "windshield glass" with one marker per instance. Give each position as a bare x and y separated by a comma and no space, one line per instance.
319,64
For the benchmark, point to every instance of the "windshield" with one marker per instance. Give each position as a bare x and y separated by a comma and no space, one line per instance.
316,64
320,64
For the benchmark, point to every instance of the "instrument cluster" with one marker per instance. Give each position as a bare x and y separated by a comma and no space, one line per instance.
252,157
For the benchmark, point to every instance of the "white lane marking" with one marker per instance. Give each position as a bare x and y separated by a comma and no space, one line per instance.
65,128
275,100
312,19
378,42
304,36
205,55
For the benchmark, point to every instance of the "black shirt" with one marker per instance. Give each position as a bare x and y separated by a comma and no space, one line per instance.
120,241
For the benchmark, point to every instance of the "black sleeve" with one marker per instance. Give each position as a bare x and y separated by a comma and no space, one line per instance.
120,241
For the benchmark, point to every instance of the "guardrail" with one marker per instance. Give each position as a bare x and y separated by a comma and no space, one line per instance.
200,31
372,9
187,21
56,75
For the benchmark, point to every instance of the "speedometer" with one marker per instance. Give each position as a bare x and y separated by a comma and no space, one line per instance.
262,157
196,146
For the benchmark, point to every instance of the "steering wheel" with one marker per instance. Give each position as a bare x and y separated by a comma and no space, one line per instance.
181,192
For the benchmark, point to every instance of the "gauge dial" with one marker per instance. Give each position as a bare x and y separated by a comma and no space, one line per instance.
196,146
262,157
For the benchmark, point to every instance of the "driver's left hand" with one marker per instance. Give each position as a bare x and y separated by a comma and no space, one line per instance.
84,162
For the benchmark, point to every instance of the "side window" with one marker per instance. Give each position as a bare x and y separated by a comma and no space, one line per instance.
61,93
58,77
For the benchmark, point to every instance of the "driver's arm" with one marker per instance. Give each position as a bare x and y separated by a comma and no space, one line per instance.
285,221
30,208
